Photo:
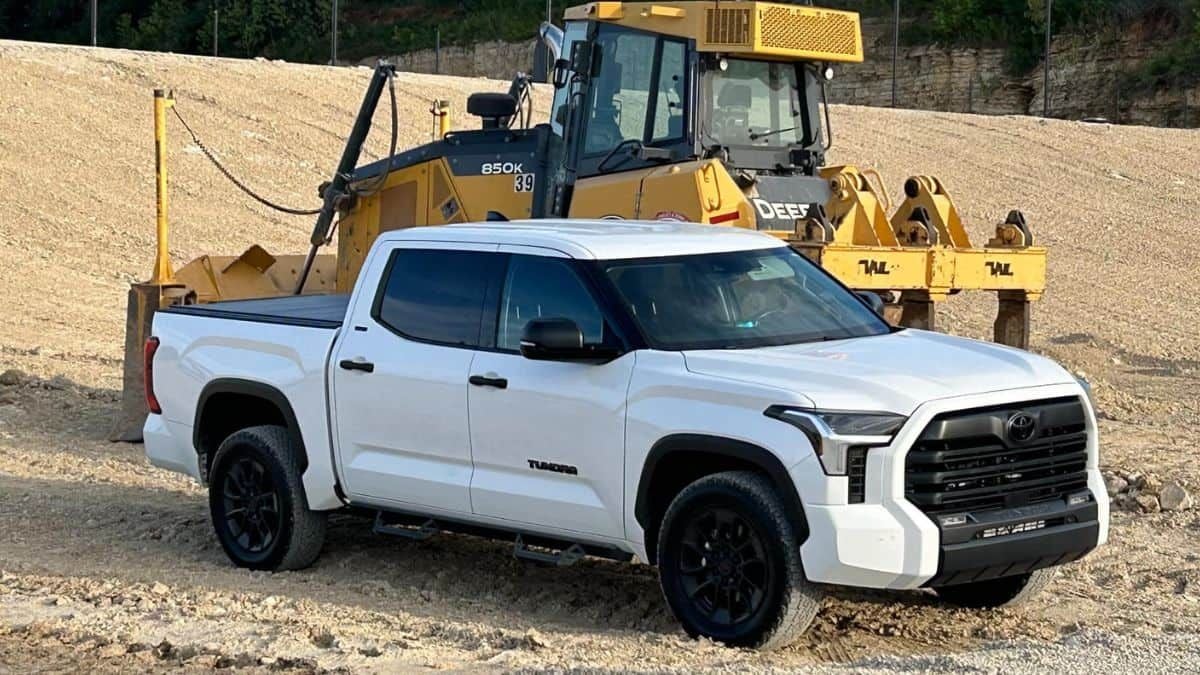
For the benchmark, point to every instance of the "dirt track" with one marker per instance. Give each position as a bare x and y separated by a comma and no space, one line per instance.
108,564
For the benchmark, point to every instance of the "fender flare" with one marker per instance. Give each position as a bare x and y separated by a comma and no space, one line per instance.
255,389
755,455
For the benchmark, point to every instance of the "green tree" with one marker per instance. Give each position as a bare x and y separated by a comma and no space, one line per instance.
295,30
169,26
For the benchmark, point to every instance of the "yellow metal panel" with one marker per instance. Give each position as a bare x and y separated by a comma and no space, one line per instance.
696,191
496,192
993,269
227,277
870,268
445,204
665,11
612,196
604,11
398,207
768,29
807,32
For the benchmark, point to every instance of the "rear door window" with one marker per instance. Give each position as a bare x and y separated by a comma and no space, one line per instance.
437,295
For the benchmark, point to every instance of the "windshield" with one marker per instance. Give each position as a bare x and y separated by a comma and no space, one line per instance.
738,300
753,103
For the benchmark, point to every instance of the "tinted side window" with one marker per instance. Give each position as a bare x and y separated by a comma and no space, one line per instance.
545,288
621,91
437,296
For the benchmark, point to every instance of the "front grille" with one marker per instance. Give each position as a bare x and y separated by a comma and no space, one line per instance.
967,461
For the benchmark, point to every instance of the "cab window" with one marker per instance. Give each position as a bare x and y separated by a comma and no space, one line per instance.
668,106
639,92
575,31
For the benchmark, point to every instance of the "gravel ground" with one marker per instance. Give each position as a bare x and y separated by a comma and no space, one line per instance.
1086,651
109,565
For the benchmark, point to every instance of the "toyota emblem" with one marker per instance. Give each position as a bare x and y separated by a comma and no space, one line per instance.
1022,427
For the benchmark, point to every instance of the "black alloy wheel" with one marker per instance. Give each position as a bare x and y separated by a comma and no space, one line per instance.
258,504
723,567
251,506
729,562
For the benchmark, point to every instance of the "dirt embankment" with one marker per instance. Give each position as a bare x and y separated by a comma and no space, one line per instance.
110,565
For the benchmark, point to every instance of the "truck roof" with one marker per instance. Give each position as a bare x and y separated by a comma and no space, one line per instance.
597,239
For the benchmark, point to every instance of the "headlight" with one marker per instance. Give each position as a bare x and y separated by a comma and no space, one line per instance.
833,432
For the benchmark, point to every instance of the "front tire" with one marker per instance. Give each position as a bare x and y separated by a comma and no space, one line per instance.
257,502
997,593
729,563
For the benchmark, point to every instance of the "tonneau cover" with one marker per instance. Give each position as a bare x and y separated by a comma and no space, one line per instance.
314,311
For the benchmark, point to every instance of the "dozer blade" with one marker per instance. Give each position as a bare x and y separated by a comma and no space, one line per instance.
254,274
144,301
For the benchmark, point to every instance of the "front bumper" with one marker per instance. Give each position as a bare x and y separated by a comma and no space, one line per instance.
887,542
1016,541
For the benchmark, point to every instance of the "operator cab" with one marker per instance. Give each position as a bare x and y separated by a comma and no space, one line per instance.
666,92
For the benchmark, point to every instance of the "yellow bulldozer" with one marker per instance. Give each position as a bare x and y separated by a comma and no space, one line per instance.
703,111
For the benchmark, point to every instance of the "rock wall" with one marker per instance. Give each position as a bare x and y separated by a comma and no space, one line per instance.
929,77
1085,76
497,60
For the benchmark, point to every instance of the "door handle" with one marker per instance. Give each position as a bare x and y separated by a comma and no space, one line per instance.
364,366
481,381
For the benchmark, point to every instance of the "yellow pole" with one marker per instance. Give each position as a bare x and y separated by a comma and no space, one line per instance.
441,110
162,259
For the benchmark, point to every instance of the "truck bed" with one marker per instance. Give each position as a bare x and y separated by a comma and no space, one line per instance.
313,311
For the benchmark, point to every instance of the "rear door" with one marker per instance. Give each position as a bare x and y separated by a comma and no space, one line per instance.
400,376
549,437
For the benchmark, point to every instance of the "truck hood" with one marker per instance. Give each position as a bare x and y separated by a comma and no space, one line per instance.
894,373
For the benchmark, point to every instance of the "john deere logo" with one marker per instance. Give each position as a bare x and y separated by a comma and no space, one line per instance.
1022,427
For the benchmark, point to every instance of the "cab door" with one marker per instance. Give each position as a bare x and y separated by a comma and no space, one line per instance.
631,118
399,376
549,437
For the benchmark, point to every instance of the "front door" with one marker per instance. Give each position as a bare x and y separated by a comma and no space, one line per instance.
400,378
549,446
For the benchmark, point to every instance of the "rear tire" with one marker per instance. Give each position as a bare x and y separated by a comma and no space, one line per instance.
996,593
729,563
257,502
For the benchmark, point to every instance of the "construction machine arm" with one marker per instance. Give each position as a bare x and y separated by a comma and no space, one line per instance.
337,188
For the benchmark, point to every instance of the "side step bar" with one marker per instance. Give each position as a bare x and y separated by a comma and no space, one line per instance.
526,545
419,533
562,558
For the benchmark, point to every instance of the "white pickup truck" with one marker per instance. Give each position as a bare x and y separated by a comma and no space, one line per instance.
701,398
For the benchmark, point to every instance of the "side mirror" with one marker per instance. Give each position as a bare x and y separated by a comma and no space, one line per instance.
561,74
551,340
873,301
558,339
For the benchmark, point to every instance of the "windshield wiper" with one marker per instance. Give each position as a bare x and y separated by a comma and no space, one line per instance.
771,132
